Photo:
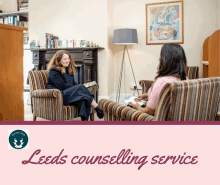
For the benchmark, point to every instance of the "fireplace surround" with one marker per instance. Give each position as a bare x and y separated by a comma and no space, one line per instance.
86,60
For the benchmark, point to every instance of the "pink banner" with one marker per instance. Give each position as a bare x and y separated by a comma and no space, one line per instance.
102,154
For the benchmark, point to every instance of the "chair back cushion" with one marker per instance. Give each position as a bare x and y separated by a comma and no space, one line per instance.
192,72
189,100
38,79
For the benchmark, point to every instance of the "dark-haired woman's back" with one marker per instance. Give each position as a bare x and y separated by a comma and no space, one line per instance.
156,88
172,68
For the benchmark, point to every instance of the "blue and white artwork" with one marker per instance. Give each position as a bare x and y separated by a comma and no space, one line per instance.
164,23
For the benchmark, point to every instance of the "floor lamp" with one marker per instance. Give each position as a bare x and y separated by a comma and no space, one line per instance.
124,36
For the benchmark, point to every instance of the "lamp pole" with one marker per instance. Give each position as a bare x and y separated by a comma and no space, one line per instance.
124,36
120,76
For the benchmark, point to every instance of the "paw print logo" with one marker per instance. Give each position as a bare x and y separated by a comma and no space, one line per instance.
18,139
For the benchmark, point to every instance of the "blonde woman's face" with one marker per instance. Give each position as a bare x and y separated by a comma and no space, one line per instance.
65,60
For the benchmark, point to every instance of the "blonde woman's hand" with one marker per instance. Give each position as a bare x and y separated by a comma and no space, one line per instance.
143,96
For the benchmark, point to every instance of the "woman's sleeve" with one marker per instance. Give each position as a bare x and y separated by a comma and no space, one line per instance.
74,82
155,93
56,77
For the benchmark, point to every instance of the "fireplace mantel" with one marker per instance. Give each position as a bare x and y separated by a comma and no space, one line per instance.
76,48
86,60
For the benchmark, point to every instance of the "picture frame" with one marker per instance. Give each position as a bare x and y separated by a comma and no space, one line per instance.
77,43
26,40
59,43
165,23
91,44
70,43
33,45
83,43
64,43
87,43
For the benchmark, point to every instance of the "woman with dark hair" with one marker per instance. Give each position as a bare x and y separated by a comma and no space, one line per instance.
61,76
172,68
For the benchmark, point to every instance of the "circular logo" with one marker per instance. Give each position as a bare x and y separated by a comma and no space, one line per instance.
18,139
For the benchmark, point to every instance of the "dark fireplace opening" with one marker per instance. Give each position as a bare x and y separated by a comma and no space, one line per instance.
78,74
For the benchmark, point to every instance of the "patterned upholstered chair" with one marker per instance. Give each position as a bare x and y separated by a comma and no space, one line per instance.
48,103
188,100
191,72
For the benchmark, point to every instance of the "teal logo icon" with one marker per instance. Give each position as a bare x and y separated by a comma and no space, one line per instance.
18,139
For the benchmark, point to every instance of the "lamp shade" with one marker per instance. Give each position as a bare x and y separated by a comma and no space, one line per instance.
125,36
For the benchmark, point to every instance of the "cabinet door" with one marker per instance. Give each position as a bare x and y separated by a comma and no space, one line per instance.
213,54
205,57
11,76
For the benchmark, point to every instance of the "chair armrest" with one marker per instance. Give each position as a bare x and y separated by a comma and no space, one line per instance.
145,117
145,84
93,89
116,112
104,103
46,93
130,114
112,110
48,104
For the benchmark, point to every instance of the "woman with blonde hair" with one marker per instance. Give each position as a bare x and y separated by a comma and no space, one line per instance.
61,76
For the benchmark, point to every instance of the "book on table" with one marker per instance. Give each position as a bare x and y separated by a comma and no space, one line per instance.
90,84
134,99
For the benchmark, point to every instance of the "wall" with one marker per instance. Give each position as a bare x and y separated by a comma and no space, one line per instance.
95,20
69,19
8,6
201,18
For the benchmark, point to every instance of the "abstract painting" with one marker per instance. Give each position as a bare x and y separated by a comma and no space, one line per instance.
164,23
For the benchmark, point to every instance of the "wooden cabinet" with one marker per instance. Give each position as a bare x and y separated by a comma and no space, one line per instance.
211,55
11,75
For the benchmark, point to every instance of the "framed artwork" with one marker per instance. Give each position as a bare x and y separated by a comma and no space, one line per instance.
164,23
59,43
83,43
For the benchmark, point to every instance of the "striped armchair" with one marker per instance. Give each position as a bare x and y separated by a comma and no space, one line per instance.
191,72
48,103
188,100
